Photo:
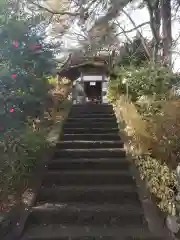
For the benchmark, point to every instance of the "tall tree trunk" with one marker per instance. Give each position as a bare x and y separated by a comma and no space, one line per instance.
167,31
155,22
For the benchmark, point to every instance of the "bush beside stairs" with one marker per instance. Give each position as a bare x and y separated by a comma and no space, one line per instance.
88,191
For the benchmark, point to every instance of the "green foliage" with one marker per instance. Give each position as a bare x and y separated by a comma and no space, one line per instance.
25,65
159,179
150,79
19,155
134,53
53,81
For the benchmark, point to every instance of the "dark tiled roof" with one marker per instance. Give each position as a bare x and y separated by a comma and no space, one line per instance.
72,65
78,61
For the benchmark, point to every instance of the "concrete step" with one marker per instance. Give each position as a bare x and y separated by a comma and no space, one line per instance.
94,164
73,232
98,194
86,214
91,137
90,130
90,153
90,125
87,177
89,144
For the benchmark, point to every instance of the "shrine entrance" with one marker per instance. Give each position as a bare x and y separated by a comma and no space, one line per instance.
93,91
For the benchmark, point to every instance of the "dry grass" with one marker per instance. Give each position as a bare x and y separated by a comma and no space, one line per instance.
57,95
135,126
167,129
154,143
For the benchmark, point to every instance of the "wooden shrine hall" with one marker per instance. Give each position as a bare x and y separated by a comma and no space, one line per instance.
89,76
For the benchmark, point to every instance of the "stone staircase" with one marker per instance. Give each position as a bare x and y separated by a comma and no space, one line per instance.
88,192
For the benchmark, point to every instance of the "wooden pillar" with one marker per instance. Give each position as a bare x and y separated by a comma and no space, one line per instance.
104,90
82,84
81,76
103,78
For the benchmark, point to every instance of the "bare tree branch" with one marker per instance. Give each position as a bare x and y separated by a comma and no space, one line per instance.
174,43
139,33
113,12
133,29
123,31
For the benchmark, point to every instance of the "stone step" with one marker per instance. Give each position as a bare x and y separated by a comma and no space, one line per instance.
73,232
98,194
92,119
79,112
89,125
93,115
92,107
85,214
90,153
88,163
88,192
91,104
91,137
89,144
92,110
90,130
87,177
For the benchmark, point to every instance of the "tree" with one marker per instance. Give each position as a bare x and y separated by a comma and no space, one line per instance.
167,31
25,64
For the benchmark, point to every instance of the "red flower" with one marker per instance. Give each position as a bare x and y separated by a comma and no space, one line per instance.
13,75
15,43
11,110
